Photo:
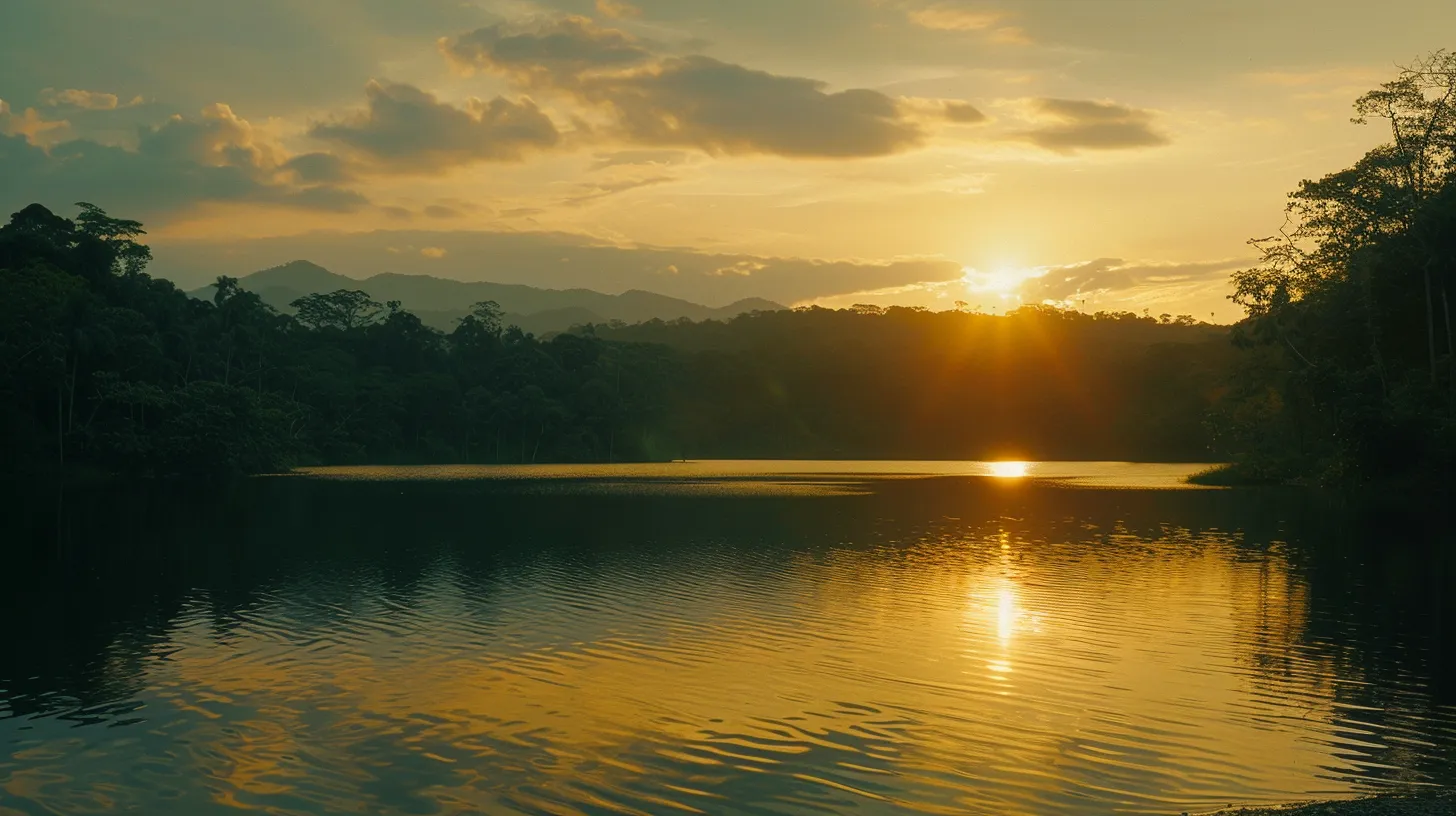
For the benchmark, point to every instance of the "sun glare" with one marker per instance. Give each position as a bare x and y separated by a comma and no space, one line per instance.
1009,470
1003,280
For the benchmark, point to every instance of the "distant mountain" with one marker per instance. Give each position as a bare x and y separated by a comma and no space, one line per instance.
440,302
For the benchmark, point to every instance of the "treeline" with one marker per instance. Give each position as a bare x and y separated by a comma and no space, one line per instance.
1348,370
103,366
106,366
1038,383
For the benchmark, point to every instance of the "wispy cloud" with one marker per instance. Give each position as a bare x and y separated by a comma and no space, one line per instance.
85,100
32,126
951,17
1105,276
588,193
617,9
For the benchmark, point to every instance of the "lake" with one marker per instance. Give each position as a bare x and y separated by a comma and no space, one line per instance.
718,637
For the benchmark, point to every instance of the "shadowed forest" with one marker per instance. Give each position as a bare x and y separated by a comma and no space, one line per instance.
115,369
1344,370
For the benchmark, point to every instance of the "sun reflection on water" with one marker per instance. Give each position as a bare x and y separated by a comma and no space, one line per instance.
1005,614
1010,470
1122,644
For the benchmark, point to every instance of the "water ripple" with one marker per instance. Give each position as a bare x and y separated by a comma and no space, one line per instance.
931,650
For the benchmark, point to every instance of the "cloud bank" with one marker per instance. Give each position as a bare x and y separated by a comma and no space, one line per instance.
406,129
661,100
1105,276
215,157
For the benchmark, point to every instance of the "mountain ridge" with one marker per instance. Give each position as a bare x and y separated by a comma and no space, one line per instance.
439,302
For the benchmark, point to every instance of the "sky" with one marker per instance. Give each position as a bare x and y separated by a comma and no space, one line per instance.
1095,154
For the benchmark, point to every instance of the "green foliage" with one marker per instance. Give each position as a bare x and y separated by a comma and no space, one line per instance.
1348,373
344,310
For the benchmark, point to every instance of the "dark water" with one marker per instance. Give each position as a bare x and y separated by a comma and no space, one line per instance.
752,644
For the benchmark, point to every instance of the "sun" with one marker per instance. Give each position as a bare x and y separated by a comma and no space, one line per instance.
1004,281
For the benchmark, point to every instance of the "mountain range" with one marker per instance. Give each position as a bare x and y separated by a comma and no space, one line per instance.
439,302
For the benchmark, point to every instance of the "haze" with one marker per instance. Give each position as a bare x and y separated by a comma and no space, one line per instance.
1096,155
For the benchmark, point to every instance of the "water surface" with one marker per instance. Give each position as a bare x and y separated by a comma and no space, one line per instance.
735,638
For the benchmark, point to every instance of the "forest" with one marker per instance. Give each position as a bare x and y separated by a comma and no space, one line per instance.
108,368
1344,370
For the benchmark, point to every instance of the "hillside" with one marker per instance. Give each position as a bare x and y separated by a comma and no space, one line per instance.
439,302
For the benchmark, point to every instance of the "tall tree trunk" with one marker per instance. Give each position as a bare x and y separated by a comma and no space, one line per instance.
537,449
60,423
1430,321
1450,356
1373,326
71,409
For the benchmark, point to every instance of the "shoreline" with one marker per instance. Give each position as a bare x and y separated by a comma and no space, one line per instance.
1433,804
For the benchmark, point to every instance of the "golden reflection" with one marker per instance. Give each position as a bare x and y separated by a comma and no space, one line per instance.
1010,470
438,697
1005,614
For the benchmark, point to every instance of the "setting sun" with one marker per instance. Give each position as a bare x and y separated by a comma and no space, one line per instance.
1005,281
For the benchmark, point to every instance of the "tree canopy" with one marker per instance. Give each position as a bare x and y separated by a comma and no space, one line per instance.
1349,372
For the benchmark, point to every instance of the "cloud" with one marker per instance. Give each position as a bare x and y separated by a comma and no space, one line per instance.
963,113
319,168
283,56
434,253
741,269
638,158
689,101
32,126
617,9
1104,276
593,192
1070,125
215,157
558,52
950,18
86,100
441,211
942,110
723,108
219,138
405,129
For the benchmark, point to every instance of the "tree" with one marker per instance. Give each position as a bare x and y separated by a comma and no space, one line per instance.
1350,289
344,310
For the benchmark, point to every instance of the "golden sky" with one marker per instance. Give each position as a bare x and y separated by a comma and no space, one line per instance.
1096,153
